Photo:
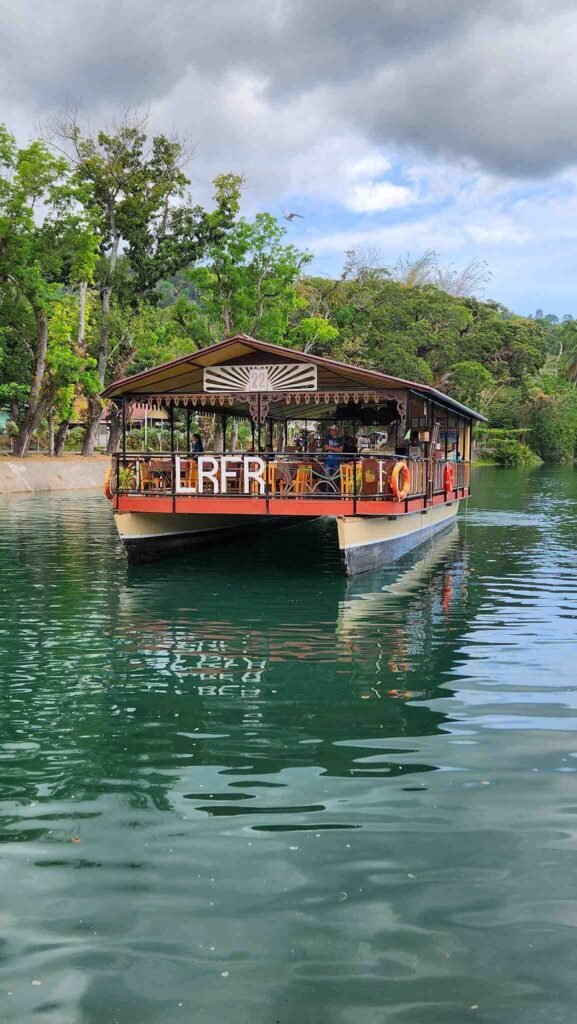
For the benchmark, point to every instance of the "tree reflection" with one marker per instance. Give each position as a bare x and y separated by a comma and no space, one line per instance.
302,683
145,674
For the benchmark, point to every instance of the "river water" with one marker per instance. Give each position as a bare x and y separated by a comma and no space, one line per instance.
238,788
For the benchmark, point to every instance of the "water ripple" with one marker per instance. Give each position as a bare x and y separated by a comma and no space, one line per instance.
235,784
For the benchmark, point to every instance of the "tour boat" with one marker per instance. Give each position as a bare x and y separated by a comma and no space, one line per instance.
387,459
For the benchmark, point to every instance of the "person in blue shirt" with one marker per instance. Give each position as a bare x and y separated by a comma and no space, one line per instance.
334,446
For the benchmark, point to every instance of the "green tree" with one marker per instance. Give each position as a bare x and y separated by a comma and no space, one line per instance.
248,282
551,413
40,257
469,380
314,334
135,189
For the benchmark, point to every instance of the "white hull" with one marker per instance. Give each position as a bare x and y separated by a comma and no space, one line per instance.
365,542
148,536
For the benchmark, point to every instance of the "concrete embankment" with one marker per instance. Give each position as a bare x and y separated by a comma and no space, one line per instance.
40,473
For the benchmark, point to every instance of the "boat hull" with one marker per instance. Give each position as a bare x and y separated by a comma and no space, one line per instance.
150,536
367,543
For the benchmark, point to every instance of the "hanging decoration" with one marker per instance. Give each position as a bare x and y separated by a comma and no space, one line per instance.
210,403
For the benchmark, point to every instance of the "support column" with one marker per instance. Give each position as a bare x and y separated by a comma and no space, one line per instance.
123,425
259,440
171,423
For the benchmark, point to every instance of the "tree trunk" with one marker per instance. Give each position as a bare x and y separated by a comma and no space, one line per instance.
95,410
218,436
234,436
51,432
82,291
115,430
64,426
21,442
61,435
36,406
95,413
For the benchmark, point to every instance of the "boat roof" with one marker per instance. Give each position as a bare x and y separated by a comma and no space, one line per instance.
185,375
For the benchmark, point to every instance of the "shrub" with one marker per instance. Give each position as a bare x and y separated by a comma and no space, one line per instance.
508,451
505,447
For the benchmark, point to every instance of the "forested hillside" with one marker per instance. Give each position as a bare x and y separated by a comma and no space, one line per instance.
108,266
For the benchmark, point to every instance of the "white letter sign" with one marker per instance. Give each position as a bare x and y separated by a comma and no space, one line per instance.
256,474
229,474
210,472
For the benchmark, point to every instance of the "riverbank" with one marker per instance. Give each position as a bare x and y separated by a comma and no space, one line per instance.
41,473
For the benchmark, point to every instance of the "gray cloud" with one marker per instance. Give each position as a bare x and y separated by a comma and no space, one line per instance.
493,82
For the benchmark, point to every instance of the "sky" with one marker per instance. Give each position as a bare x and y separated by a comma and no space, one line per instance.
394,125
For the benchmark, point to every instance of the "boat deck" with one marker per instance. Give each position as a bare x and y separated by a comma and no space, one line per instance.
270,484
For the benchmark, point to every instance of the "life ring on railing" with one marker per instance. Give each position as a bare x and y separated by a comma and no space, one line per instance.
108,492
448,480
400,491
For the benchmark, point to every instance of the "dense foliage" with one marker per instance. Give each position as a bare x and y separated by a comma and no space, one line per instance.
108,267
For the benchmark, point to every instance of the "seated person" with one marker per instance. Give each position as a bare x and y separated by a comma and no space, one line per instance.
350,446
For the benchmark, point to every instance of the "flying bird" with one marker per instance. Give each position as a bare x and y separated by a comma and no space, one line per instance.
291,216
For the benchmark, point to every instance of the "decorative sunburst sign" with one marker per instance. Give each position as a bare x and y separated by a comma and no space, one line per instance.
273,377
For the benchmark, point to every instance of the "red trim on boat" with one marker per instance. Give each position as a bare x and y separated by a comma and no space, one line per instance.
257,506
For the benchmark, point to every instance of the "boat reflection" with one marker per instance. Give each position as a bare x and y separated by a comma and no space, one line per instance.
262,684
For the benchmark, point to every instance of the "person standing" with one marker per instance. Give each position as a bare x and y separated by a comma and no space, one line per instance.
197,445
333,445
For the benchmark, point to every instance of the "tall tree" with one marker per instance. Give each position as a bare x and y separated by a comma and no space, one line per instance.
135,187
40,253
248,281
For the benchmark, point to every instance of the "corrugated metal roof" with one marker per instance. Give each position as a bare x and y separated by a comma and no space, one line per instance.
171,377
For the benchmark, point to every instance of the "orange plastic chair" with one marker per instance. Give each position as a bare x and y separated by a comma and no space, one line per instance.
234,484
148,481
272,480
347,478
191,476
304,480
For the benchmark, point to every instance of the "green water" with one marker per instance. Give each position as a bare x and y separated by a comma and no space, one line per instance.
236,788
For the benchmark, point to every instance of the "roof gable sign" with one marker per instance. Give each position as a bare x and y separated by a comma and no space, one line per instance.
260,377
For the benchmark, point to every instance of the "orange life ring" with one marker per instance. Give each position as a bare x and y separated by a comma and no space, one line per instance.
449,486
400,469
108,484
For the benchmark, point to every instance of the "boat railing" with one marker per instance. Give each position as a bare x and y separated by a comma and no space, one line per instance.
288,475
460,472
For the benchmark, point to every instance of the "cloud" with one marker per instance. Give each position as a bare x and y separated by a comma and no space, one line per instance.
374,196
493,82
431,124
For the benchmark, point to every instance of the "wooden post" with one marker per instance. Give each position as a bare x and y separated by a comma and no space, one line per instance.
51,432
171,422
124,425
188,429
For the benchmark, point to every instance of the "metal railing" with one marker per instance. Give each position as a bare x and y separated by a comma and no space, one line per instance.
287,475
